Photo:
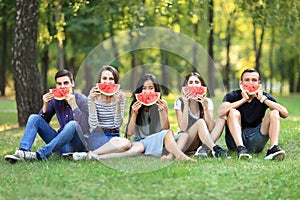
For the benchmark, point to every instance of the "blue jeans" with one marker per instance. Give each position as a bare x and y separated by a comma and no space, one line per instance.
70,139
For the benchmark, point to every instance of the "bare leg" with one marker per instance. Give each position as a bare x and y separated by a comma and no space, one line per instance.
136,149
181,145
172,148
271,126
115,145
234,125
218,129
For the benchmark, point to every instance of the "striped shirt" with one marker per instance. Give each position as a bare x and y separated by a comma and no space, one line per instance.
106,116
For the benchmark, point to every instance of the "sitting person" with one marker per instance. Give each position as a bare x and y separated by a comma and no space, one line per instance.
249,127
195,117
106,115
72,115
149,125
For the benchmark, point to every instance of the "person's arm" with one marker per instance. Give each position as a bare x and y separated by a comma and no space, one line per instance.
163,114
182,116
120,106
47,111
79,105
208,109
132,120
226,106
273,105
92,117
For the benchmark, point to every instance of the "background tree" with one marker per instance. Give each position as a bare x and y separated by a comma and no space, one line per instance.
24,59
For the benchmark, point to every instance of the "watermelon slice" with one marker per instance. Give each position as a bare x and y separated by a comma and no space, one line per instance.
250,88
108,89
60,93
148,99
194,91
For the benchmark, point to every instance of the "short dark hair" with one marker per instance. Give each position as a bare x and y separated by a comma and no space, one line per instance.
64,72
113,70
249,70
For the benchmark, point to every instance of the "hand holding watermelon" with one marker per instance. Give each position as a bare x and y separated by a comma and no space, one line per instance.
60,93
251,89
194,92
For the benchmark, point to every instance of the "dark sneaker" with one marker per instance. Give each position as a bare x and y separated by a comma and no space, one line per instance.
21,155
218,152
275,153
202,151
243,153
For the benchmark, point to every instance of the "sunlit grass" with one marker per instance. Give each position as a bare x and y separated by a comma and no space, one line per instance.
143,177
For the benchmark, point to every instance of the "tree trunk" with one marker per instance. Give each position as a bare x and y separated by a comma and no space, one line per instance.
258,49
4,58
24,60
227,67
165,77
271,59
211,79
44,70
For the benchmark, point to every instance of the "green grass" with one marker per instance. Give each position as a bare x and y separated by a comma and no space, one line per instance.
143,177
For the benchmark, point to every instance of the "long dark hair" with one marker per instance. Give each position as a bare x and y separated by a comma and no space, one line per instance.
153,109
203,83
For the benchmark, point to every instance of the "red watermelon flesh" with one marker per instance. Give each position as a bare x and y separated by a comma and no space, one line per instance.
108,89
250,88
60,93
194,91
148,99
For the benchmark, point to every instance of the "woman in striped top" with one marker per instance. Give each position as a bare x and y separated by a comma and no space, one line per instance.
105,119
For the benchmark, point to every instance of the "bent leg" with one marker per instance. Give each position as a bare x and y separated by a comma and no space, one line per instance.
271,126
115,145
63,138
235,128
218,129
36,124
181,143
135,149
172,148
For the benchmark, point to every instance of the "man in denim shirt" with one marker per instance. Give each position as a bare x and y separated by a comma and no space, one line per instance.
72,115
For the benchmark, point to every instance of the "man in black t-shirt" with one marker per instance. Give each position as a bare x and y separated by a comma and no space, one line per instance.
248,126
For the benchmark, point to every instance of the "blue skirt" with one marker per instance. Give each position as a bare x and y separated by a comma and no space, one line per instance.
98,138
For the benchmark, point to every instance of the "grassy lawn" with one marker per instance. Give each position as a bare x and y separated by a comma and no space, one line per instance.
143,177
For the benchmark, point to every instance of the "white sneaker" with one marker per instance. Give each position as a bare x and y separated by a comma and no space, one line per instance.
92,156
21,155
79,155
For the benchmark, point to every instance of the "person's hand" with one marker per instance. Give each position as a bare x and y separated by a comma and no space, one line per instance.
162,105
185,96
94,92
245,95
135,107
119,96
70,98
203,100
259,94
47,97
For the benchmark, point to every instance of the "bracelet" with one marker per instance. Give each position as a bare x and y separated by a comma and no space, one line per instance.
263,98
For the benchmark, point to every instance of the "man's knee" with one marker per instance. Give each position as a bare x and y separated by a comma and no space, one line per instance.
274,115
233,115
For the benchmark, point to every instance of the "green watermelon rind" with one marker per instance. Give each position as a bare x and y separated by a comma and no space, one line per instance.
242,87
106,93
195,96
61,89
157,94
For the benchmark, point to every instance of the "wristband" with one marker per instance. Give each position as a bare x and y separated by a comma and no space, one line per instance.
263,98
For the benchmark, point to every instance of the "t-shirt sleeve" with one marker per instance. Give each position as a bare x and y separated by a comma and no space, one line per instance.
177,104
210,104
